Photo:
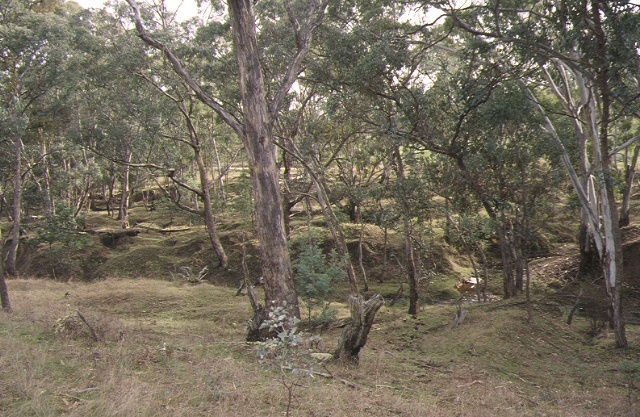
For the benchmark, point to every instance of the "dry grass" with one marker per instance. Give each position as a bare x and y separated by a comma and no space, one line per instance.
171,349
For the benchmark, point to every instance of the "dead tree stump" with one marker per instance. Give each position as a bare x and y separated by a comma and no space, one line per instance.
354,335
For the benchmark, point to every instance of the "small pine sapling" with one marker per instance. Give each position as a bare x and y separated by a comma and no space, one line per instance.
315,275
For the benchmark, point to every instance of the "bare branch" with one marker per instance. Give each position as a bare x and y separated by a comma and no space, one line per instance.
303,39
183,73
171,175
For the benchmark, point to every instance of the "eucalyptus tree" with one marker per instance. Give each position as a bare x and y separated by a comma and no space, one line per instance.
429,95
34,54
126,117
310,138
188,120
630,163
502,164
365,53
585,53
262,97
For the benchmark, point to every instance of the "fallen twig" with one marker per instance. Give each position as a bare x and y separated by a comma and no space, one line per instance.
76,399
329,375
83,391
93,332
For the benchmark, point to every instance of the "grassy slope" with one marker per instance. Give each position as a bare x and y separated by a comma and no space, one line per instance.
168,348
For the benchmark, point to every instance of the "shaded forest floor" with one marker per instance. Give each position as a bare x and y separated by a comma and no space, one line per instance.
166,347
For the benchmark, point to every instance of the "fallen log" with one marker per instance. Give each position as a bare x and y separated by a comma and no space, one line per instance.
111,239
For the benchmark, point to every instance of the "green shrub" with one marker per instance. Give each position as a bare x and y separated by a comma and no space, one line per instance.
315,273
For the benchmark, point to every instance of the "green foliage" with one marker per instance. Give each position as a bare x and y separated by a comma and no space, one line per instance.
631,372
63,235
63,227
286,339
283,349
315,273
630,369
242,202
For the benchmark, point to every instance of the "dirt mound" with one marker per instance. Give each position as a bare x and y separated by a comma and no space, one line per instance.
631,256
554,271
563,265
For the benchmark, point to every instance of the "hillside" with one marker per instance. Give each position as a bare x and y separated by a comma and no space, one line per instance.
166,347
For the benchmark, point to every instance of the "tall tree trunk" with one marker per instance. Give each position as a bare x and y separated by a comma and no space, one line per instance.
4,291
109,197
216,156
208,211
47,199
288,201
17,203
363,271
519,260
508,279
611,228
123,213
261,152
413,277
256,131
629,175
524,239
412,274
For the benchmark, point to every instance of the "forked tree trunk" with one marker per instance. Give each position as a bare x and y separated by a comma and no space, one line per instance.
610,221
355,334
604,222
256,131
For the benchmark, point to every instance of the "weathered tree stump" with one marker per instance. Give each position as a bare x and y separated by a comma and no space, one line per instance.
354,335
